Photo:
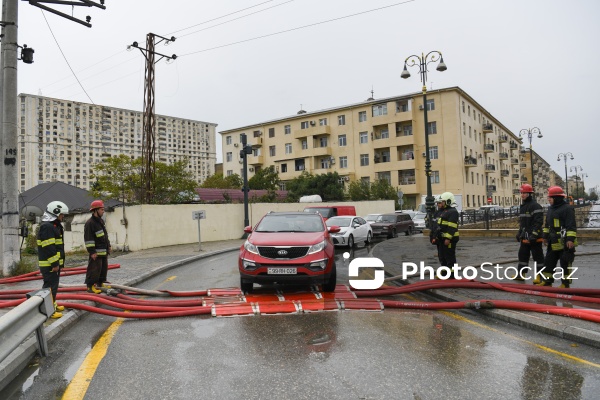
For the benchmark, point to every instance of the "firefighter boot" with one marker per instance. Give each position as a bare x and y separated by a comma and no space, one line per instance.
92,289
546,280
58,308
104,285
56,315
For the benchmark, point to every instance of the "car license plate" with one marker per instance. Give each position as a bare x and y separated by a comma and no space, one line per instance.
281,271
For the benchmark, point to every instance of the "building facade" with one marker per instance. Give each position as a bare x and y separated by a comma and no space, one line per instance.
472,153
543,174
62,140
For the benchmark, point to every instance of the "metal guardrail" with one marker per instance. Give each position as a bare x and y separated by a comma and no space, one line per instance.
23,320
510,219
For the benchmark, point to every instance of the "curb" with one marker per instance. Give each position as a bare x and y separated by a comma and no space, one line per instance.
18,360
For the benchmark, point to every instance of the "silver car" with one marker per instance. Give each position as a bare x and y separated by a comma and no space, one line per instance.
352,230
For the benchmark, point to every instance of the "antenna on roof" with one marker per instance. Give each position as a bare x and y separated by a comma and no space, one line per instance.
372,94
301,110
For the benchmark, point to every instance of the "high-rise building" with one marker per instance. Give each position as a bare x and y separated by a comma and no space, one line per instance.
62,140
472,153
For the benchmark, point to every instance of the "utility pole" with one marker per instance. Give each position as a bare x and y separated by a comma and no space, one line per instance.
9,170
149,125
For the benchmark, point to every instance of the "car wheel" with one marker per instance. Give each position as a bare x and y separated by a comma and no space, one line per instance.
246,287
350,241
394,233
409,231
329,286
369,238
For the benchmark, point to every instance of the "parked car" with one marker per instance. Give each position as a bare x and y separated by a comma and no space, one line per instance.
352,230
288,247
331,211
419,221
390,224
371,218
409,212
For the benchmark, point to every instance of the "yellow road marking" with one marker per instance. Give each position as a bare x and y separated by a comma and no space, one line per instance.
82,379
78,386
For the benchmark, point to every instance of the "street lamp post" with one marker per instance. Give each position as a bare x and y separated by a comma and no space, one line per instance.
576,168
422,63
584,175
530,133
564,156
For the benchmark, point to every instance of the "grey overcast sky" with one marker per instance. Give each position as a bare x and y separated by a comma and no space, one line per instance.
530,63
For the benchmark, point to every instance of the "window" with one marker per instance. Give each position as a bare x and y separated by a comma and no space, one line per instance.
385,134
229,156
433,153
323,142
325,162
362,116
344,162
470,133
379,109
228,140
364,160
322,121
407,130
342,140
283,167
463,106
229,172
435,176
464,129
287,129
271,132
402,106
304,125
469,111
304,144
272,151
431,128
288,148
363,137
430,105
341,120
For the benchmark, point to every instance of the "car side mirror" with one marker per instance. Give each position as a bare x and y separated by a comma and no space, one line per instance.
248,229
333,229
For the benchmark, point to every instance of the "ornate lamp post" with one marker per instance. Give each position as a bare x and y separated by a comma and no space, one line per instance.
564,156
529,133
576,168
422,62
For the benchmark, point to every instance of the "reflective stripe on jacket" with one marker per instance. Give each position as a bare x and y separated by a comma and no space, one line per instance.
531,219
51,250
96,237
448,223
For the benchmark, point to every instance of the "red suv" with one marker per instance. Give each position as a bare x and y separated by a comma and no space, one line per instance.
288,247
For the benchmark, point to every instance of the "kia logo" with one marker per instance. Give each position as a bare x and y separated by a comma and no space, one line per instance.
282,252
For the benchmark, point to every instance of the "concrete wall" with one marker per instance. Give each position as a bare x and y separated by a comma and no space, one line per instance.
150,226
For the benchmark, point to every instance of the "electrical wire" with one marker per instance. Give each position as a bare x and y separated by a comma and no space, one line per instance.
297,28
65,58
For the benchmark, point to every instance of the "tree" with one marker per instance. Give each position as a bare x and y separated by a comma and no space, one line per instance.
327,186
266,179
359,190
382,190
174,184
217,181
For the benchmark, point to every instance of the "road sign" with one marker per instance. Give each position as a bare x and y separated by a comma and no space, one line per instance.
400,194
201,214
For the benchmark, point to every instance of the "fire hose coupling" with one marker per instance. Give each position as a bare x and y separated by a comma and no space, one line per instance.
476,305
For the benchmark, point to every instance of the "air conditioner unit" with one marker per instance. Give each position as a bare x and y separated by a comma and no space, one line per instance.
424,154
421,107
312,123
332,160
236,144
251,169
241,161
346,178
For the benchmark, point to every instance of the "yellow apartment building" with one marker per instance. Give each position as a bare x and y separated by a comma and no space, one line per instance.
472,153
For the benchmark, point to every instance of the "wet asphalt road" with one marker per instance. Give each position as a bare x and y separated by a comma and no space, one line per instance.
395,354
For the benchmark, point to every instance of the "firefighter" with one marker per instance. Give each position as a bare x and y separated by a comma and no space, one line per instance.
98,247
51,249
448,231
560,235
530,235
435,228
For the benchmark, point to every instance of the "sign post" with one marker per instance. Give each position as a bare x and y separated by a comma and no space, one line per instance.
198,215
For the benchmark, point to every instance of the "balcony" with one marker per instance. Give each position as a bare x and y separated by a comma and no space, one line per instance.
504,172
490,168
504,156
321,151
488,128
255,160
312,131
514,145
516,176
491,188
258,142
503,138
470,161
488,148
514,161
516,191
523,178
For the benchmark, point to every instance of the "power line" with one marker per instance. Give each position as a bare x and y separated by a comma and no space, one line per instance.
296,28
67,61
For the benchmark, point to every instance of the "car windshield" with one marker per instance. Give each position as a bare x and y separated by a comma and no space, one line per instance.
386,218
419,215
372,217
291,223
339,221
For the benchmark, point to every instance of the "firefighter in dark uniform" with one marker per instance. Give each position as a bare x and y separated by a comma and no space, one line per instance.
448,231
560,234
531,221
51,249
98,247
435,228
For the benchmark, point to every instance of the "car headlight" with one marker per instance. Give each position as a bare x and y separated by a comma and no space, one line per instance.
317,247
250,247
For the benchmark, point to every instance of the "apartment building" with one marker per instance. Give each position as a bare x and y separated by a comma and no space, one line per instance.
544,178
472,153
62,140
